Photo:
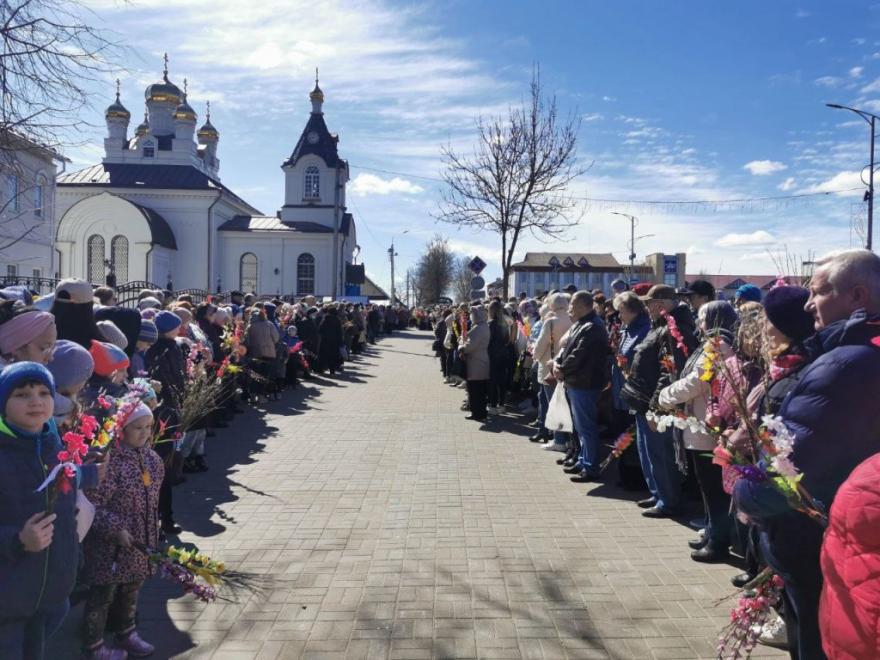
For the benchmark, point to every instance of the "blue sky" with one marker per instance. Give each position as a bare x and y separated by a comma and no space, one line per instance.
684,100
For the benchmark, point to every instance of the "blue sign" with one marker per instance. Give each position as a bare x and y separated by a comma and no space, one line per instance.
670,265
477,265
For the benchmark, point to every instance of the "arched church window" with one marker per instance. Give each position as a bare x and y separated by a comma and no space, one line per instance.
305,275
313,183
247,273
119,258
95,259
149,149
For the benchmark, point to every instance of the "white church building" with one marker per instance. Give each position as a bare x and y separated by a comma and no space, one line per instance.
155,209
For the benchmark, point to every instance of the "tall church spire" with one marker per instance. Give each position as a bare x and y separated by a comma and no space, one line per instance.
317,97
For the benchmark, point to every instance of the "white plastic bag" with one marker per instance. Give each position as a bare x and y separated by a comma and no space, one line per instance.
558,412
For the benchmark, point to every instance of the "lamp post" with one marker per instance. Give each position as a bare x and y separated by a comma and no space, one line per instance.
391,255
633,220
872,122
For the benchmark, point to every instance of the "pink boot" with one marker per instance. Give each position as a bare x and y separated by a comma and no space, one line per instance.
105,653
136,647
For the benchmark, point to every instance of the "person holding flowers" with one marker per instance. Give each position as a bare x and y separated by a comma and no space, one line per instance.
126,524
38,537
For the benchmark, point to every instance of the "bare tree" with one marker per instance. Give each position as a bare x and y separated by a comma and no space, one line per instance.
515,179
49,56
433,273
461,279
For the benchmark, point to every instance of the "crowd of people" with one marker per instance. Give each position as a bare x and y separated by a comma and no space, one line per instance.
762,407
104,409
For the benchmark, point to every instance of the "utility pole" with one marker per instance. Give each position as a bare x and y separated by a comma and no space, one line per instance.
633,220
391,255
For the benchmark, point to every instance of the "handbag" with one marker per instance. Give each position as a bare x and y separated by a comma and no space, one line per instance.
558,413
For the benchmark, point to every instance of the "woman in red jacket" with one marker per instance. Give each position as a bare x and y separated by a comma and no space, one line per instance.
849,613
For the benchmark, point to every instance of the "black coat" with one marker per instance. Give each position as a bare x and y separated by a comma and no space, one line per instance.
307,330
166,364
583,361
330,332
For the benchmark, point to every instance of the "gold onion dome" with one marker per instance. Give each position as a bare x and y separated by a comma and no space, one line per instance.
164,90
116,109
207,130
143,128
316,94
184,111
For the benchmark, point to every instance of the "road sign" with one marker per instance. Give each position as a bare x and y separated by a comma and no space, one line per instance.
477,282
477,265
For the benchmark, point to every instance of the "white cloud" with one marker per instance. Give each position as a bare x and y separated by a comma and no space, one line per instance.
842,181
764,167
370,184
828,81
787,185
872,87
759,237
593,117
856,72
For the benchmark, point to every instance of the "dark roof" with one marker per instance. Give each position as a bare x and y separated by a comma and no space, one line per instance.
135,175
593,261
325,147
731,282
373,291
273,223
160,230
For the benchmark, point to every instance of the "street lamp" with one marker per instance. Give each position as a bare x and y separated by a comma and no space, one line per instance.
872,122
633,220
391,255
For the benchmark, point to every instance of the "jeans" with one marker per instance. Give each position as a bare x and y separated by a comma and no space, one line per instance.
25,639
657,455
583,416
193,443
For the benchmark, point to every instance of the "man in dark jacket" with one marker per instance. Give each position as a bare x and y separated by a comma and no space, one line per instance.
581,366
646,379
833,414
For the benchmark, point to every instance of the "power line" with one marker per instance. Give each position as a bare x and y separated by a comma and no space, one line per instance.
647,202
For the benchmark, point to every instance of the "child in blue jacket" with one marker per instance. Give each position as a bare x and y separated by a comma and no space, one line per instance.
38,548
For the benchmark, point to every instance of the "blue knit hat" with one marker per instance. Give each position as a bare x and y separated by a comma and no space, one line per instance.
71,364
784,307
18,373
149,332
749,292
166,322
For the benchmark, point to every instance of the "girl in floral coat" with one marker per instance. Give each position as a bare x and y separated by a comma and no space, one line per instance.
127,515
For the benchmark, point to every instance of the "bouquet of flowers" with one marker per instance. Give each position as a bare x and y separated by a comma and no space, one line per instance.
624,440
203,388
75,447
198,574
739,637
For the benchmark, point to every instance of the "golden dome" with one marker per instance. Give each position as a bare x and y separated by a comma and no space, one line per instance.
207,131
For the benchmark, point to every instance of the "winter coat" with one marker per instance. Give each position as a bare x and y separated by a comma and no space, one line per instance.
331,340
692,393
641,388
476,349
499,342
165,363
630,337
582,362
849,612
33,580
549,342
213,337
261,338
124,501
308,332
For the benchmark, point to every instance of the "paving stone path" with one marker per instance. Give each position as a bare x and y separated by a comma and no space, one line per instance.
391,527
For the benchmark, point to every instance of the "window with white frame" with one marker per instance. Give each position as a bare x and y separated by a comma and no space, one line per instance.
247,272
149,149
95,258
312,183
119,258
11,270
305,274
13,203
38,196
37,273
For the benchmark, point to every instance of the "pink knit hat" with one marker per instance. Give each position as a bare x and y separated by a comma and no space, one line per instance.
142,410
22,329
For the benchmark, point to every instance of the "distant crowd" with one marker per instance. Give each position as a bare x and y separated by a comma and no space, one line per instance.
764,408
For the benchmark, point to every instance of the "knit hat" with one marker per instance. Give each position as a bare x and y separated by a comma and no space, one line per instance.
18,293
145,389
71,364
149,314
149,332
112,334
142,410
748,292
108,358
20,330
149,302
183,314
642,288
784,306
127,320
63,407
74,290
18,373
166,322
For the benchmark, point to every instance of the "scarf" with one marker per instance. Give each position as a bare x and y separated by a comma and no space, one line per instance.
783,365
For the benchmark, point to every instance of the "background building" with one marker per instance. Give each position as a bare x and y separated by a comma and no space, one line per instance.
155,209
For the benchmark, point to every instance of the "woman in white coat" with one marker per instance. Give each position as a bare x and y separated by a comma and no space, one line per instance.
692,392
554,327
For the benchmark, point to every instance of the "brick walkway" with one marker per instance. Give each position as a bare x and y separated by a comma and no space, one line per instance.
394,528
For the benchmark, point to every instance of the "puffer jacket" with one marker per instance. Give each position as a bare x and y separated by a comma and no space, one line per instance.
641,388
630,337
549,342
849,612
30,581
